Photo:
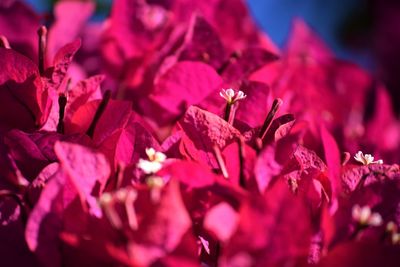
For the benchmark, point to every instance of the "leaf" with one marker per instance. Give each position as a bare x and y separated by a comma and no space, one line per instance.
281,234
85,169
23,98
352,253
204,130
222,221
186,83
243,63
202,44
81,93
162,227
64,200
62,60
266,168
332,157
26,153
190,174
19,23
70,18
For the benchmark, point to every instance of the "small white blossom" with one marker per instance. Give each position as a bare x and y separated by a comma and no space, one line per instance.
392,229
231,96
149,167
155,155
364,216
366,159
154,162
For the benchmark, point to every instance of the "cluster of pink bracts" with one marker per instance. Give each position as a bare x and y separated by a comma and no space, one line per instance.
201,144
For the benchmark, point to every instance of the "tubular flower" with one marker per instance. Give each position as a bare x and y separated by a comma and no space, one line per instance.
366,159
154,162
231,96
364,216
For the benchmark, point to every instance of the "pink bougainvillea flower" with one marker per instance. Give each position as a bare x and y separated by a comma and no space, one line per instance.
200,144
70,191
201,43
70,18
256,243
353,254
22,92
19,24
204,130
138,229
186,83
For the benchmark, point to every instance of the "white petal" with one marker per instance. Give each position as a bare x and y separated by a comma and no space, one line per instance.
150,152
160,157
356,212
365,214
230,92
375,219
149,167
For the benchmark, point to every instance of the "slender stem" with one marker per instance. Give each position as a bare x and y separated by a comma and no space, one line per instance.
228,109
361,182
271,114
232,113
100,110
119,175
242,177
258,145
62,103
220,161
42,32
4,42
345,158
357,231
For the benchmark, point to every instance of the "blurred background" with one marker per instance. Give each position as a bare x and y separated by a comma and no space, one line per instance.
363,31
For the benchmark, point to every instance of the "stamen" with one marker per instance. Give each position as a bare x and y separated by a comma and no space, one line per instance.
268,120
42,32
100,110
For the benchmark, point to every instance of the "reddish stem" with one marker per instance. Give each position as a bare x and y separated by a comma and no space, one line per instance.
42,33
100,110
242,155
271,114
4,42
220,161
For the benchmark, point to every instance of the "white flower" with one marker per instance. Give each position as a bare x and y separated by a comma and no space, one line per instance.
392,229
154,162
155,155
231,96
366,159
365,217
149,167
